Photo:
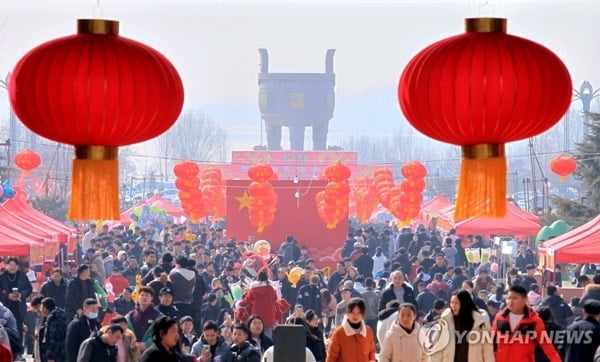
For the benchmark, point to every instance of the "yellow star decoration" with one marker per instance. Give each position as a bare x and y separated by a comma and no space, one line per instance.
244,200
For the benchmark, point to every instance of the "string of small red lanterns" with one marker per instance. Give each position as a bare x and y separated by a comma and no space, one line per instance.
332,203
263,199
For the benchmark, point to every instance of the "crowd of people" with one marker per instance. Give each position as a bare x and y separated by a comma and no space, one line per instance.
186,294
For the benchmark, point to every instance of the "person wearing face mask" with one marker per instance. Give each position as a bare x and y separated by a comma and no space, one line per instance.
80,328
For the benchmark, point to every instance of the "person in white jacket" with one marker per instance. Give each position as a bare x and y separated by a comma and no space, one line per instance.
401,342
468,330
379,261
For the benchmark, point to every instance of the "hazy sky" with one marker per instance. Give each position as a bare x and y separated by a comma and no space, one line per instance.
214,44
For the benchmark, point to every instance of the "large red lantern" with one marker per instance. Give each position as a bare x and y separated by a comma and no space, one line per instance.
563,166
96,90
480,90
27,160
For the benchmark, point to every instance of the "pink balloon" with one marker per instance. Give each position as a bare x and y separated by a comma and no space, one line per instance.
494,267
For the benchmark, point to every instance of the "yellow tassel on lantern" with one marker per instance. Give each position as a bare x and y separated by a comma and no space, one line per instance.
482,183
95,184
563,179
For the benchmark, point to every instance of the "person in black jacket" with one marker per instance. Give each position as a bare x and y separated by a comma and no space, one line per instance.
15,288
287,292
310,295
53,332
82,328
336,278
364,264
398,290
56,288
426,298
200,291
560,309
314,339
590,325
554,332
241,349
210,310
124,304
101,347
165,336
78,290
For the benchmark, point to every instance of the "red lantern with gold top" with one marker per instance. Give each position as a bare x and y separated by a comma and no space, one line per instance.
27,160
97,91
480,90
563,166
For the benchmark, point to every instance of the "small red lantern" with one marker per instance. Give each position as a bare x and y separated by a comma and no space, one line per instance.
186,169
97,91
563,166
480,90
413,170
27,160
260,172
337,172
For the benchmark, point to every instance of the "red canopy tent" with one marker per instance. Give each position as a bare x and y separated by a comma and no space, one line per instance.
156,200
580,245
515,222
14,243
430,209
17,224
19,206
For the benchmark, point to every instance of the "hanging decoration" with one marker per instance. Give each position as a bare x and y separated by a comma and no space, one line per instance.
263,199
480,90
563,166
97,91
384,181
146,214
405,199
190,194
6,191
332,203
365,198
213,191
27,160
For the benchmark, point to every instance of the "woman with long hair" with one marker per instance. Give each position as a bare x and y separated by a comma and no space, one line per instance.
257,336
314,335
165,335
328,308
353,341
468,330
401,342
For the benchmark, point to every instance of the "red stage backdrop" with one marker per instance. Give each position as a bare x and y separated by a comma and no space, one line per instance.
292,216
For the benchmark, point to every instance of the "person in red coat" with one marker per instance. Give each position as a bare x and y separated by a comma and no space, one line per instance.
518,330
260,300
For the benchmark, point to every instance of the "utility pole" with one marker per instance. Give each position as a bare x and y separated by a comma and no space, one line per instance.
12,124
